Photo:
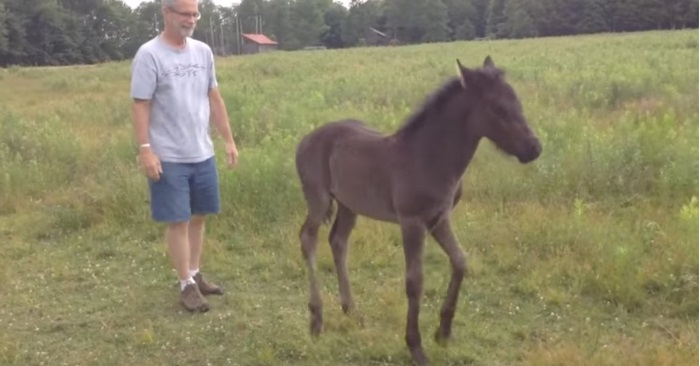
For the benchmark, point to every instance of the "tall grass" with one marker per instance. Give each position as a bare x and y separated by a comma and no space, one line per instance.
587,256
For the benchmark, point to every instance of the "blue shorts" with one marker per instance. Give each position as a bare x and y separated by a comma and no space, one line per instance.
185,189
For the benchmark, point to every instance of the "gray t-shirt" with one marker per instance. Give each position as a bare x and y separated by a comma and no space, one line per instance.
177,82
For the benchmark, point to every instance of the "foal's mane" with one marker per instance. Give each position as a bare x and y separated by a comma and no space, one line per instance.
433,103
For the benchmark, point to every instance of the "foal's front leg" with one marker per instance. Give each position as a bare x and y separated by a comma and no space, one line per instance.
442,233
413,233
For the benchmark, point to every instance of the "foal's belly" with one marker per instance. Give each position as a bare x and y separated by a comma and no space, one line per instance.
365,200
361,178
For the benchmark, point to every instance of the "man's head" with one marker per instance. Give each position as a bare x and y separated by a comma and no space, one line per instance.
180,16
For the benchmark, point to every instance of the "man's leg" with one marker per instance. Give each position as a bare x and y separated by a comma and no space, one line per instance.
179,249
205,200
196,236
170,203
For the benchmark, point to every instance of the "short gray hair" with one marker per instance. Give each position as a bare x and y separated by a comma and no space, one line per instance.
170,3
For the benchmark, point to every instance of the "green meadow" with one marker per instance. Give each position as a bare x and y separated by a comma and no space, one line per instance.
588,256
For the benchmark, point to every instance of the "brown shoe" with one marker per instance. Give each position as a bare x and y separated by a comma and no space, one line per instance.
192,299
205,287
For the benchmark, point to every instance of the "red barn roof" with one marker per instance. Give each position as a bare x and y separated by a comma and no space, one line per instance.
259,39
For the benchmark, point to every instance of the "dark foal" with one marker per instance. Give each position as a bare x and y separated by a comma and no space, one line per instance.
411,177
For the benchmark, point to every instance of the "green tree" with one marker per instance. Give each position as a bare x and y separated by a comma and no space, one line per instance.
361,16
4,41
435,21
45,40
208,25
496,19
679,13
280,23
480,17
624,15
556,17
461,15
334,16
249,14
691,17
52,32
650,13
465,31
415,21
593,19
145,23
308,20
518,23
111,24
15,30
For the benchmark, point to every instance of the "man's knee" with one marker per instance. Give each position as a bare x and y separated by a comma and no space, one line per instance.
197,220
177,228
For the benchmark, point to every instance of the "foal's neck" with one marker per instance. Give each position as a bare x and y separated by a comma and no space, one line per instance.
446,142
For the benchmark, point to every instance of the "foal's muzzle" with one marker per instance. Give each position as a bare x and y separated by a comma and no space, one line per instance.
530,151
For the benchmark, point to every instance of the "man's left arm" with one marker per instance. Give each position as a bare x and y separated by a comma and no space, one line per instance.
219,117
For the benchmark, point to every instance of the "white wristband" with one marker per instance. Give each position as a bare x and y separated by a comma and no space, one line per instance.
144,145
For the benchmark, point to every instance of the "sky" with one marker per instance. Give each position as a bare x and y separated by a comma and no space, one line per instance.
134,3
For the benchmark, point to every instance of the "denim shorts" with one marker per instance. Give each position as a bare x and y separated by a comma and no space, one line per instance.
185,189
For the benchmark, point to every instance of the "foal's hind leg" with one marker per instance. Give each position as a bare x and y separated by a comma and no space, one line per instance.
442,233
318,205
338,238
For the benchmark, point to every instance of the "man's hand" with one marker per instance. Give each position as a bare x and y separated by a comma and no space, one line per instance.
150,164
231,154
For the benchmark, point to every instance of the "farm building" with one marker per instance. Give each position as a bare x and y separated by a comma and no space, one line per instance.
256,43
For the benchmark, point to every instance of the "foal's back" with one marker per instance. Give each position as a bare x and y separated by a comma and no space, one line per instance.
348,162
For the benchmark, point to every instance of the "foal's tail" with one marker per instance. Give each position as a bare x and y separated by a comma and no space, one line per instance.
327,217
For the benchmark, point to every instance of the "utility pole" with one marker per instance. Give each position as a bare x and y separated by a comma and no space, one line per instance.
221,31
238,34
211,31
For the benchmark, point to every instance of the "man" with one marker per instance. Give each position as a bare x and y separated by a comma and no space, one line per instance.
174,87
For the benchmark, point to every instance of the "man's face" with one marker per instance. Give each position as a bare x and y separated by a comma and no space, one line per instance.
182,17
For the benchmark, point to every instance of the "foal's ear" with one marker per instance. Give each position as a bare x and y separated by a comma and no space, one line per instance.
460,73
488,62
491,69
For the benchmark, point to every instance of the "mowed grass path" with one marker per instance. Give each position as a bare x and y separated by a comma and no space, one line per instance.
589,256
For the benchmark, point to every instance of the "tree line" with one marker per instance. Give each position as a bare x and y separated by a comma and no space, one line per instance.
60,32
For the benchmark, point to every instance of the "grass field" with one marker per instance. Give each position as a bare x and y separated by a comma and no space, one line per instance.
589,256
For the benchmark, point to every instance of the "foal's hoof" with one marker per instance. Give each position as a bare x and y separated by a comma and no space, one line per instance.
419,358
316,319
315,327
442,338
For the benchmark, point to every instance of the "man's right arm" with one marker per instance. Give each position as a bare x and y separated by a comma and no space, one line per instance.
143,86
150,164
140,110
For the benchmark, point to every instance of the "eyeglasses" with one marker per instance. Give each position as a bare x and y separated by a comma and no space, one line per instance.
196,16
